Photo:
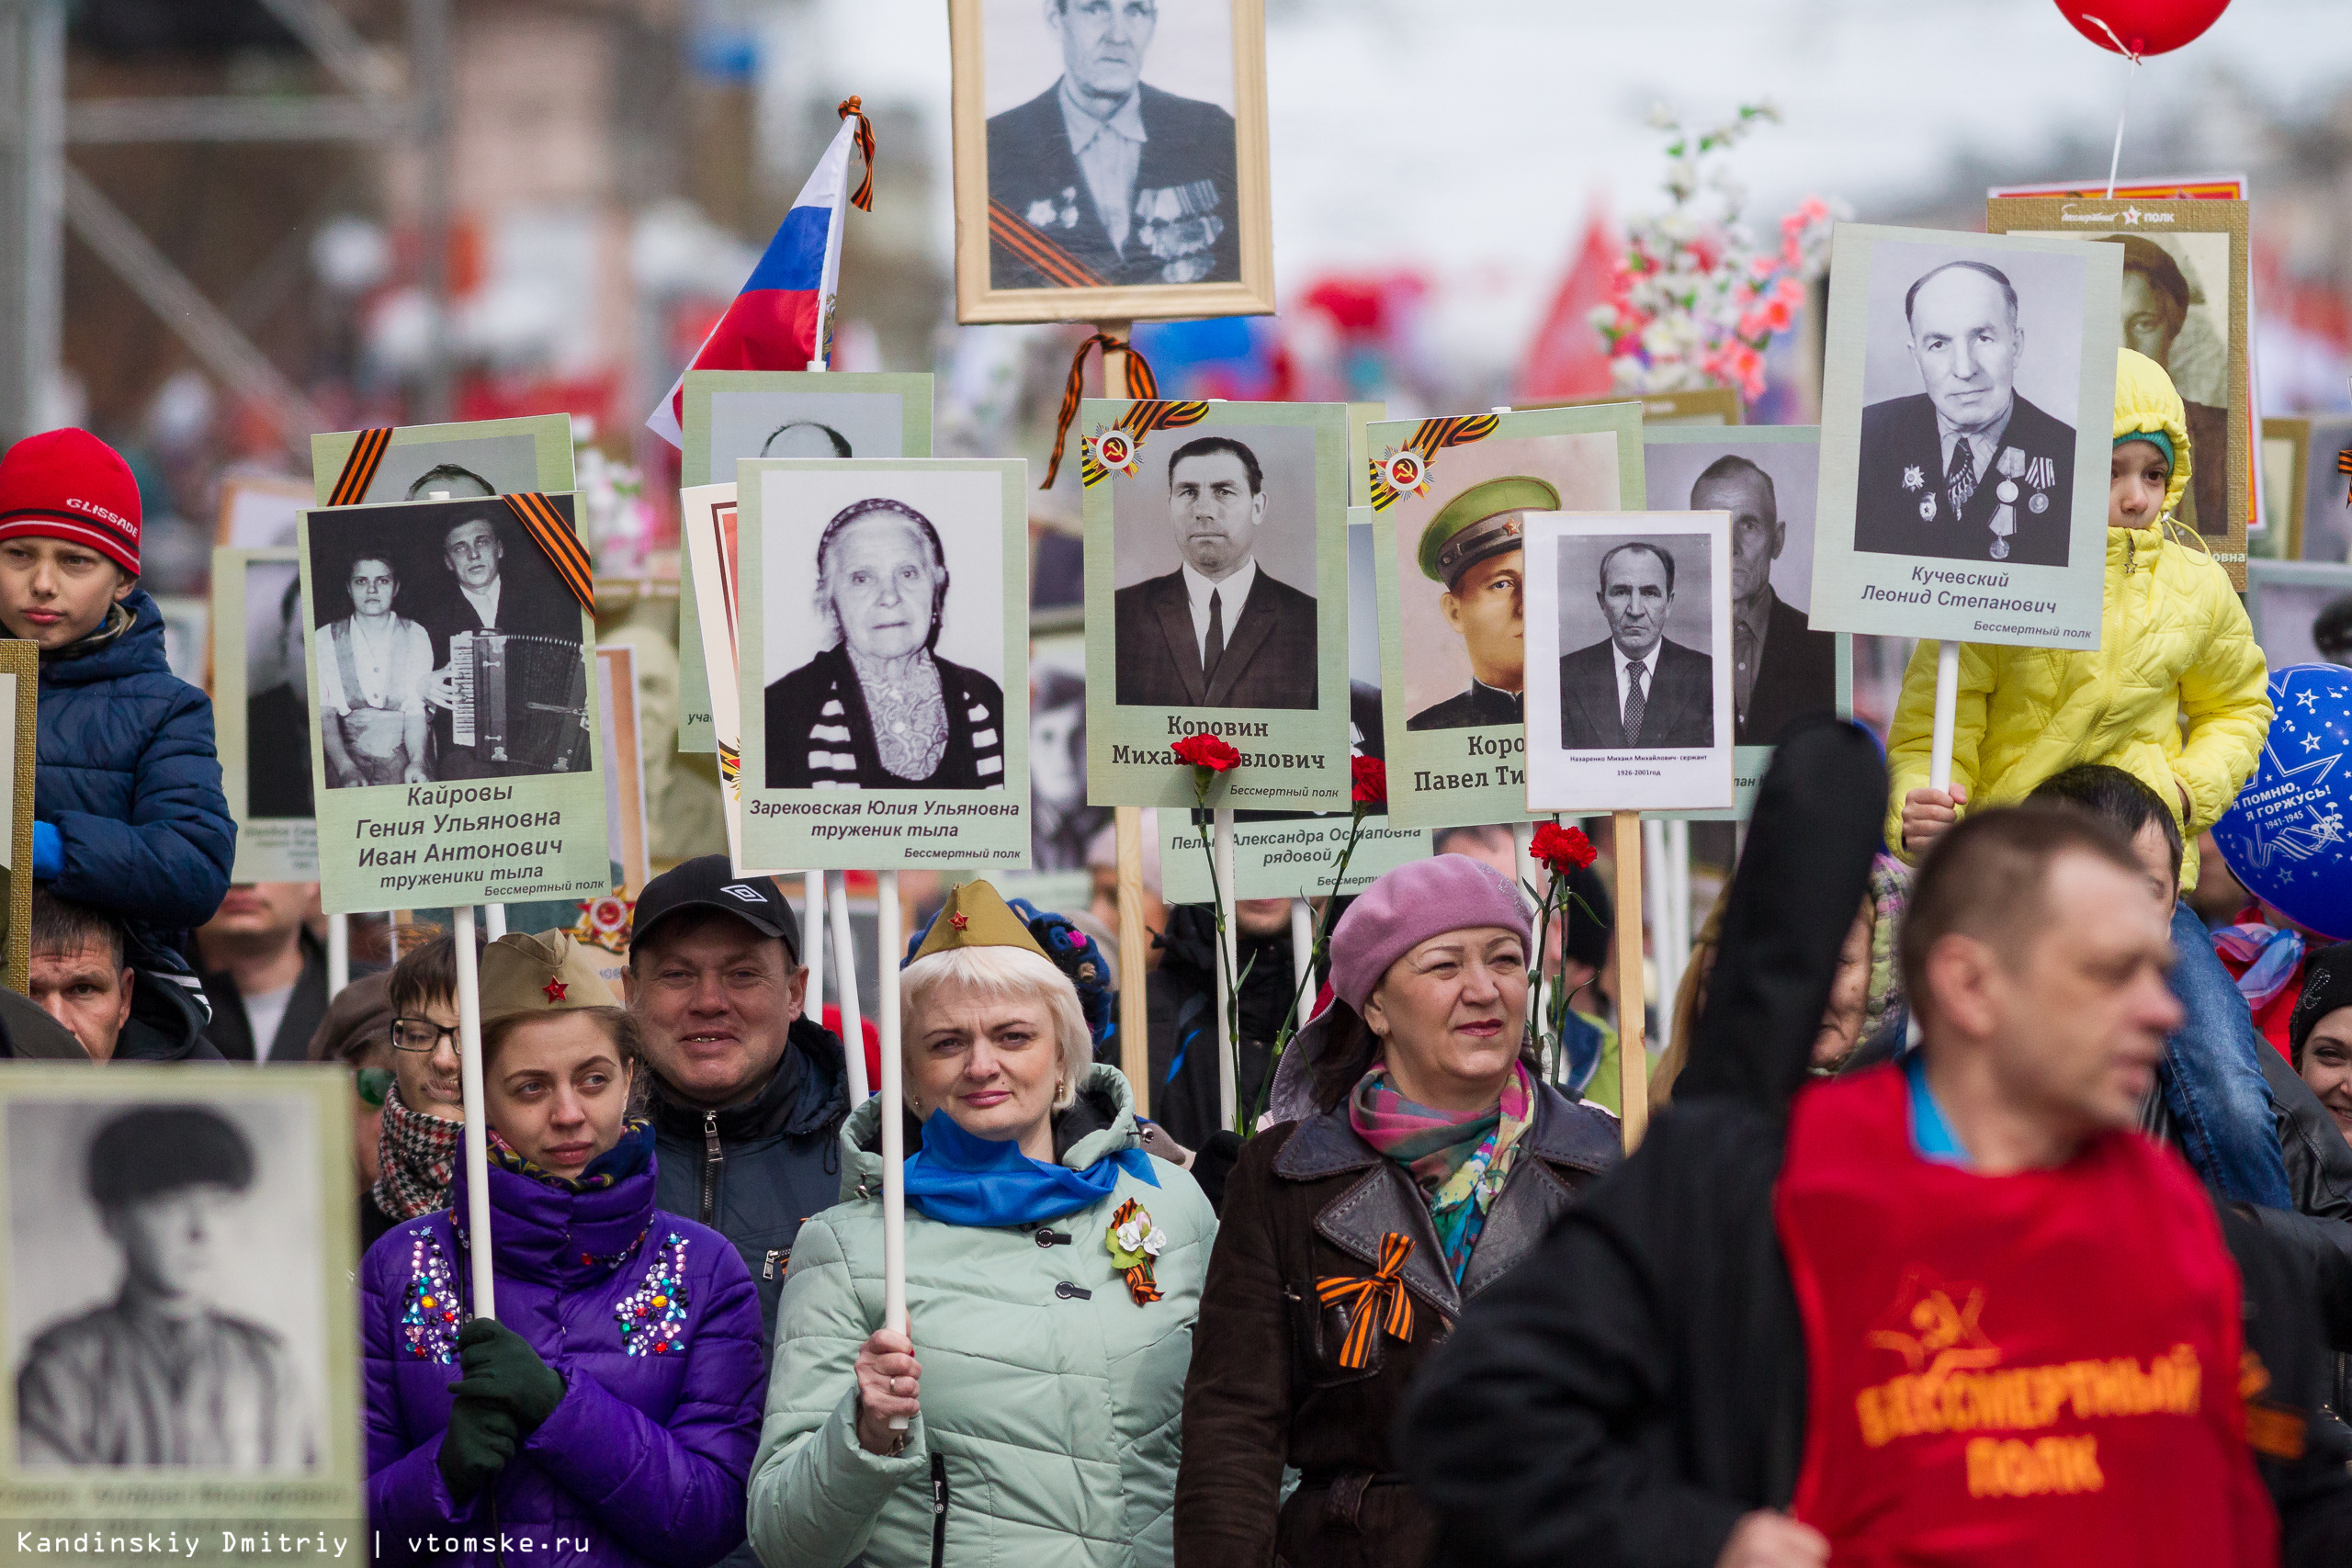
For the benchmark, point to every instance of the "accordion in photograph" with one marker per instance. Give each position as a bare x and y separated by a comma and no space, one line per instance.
522,700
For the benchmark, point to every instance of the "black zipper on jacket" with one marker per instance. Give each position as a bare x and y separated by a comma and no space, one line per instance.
712,1160
938,1509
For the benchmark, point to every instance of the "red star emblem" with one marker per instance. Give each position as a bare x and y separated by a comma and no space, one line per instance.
959,921
554,988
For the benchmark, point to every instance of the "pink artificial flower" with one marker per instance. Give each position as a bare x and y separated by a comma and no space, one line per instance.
1791,291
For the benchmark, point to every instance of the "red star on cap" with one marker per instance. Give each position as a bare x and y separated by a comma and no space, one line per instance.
959,921
554,988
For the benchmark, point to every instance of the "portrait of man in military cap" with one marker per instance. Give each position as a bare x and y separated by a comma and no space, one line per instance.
1475,546
1967,467
174,1370
1220,631
1104,179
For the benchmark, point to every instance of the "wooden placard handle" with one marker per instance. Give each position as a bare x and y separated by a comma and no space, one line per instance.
1135,1042
1633,1051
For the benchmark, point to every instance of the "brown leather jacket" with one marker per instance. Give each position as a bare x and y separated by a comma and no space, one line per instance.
1310,1201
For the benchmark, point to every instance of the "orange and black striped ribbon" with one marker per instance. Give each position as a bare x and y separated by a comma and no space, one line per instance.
559,542
1141,1289
1429,438
1141,385
2344,465
1007,228
862,200
730,761
359,468
1376,1302
1140,421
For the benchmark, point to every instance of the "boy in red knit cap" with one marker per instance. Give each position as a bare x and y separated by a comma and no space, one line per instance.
129,817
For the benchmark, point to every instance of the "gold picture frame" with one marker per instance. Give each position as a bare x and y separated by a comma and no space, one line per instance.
1051,235
1693,405
20,676
2283,516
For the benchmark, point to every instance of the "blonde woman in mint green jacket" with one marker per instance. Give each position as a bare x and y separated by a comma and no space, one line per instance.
1053,1271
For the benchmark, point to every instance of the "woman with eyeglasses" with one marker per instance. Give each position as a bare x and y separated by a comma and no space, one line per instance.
423,1112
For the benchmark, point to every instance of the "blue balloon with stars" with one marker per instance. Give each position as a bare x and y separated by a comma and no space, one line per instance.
2284,836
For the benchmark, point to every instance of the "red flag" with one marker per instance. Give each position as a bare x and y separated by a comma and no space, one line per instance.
1567,357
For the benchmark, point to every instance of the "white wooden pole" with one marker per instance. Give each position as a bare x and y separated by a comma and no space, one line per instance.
338,955
477,1145
845,983
887,940
494,921
1657,912
1228,962
1302,954
392,934
812,943
1946,711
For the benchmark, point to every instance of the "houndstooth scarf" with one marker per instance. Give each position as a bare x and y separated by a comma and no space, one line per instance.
417,1157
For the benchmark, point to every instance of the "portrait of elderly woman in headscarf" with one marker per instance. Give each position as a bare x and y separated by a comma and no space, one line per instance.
879,709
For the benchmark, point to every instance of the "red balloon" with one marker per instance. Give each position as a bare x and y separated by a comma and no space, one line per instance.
2141,26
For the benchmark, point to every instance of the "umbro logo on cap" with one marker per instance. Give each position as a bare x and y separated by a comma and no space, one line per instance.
737,890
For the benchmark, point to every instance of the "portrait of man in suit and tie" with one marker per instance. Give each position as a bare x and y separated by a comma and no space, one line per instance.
1637,689
1104,179
1220,631
1967,467
1781,666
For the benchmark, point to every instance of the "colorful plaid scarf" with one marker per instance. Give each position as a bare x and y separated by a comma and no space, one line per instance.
2272,956
1460,1160
415,1157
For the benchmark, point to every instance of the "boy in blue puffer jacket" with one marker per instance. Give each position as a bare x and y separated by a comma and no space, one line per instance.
129,817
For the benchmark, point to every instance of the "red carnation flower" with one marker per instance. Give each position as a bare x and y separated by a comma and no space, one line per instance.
1369,776
1562,848
1206,751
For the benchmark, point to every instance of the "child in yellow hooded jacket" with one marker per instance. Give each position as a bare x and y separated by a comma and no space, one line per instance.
2175,694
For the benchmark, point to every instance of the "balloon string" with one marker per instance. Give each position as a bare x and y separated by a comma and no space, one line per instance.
2131,72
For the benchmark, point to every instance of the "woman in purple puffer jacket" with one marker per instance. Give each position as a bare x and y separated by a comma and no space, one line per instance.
609,1414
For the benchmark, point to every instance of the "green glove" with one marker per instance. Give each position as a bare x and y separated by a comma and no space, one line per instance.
502,1367
481,1439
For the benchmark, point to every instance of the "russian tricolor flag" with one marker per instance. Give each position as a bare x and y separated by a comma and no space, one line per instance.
777,315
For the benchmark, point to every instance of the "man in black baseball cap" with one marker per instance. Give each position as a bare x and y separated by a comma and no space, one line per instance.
745,1093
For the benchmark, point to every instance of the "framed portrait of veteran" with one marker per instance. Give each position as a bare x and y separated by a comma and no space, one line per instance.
2302,612
2326,533
883,648
1217,581
731,415
20,687
2185,306
1450,499
1292,854
1967,410
1110,160
455,747
707,528
218,1205
2286,452
259,509
1766,476
261,712
1629,690
415,462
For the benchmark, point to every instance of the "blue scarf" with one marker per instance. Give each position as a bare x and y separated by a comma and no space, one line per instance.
959,1179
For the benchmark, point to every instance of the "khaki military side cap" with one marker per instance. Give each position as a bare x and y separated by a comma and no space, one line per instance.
975,915
1482,521
535,976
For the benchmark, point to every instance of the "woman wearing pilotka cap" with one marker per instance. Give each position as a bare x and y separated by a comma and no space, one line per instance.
1053,1270
1420,1160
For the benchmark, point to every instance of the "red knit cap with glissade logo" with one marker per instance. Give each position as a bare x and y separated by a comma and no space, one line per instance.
68,484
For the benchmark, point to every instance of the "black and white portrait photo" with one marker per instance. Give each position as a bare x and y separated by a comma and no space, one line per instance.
1061,823
1636,687
166,1300
1215,547
803,425
466,468
1111,154
1629,691
1970,386
1780,667
445,648
883,629
277,694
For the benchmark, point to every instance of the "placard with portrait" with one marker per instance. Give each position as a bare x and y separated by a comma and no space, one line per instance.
2326,533
468,460
1217,561
455,749
2186,306
2286,452
883,662
1967,411
1450,501
1110,160
262,713
1766,476
1629,678
731,415
2302,612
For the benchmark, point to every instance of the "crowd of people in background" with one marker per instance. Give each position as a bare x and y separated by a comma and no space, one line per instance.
1958,1073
